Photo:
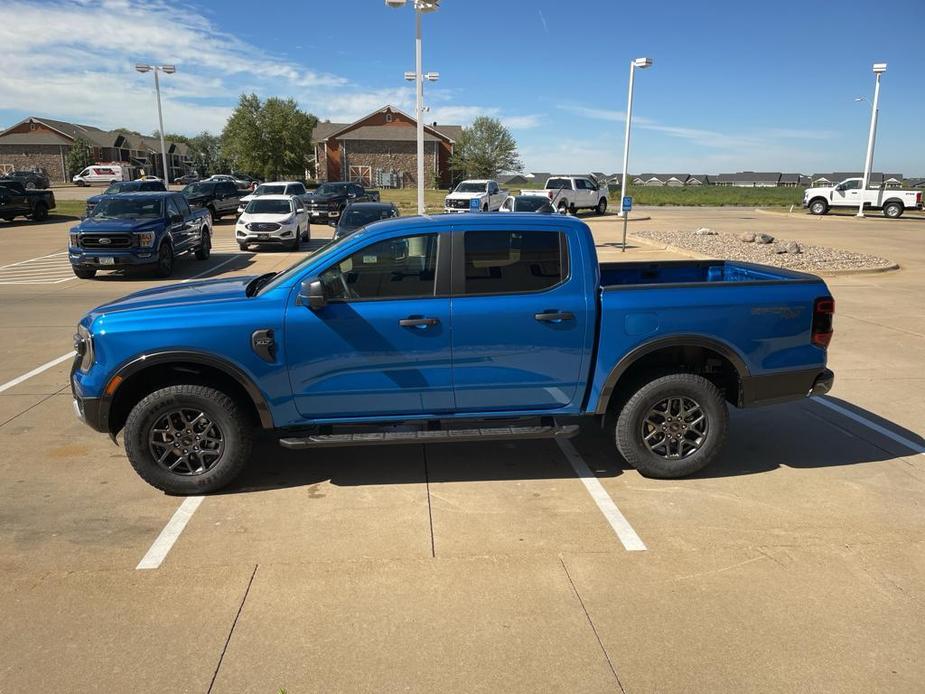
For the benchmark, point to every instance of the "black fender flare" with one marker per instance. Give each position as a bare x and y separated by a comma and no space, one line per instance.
686,340
138,364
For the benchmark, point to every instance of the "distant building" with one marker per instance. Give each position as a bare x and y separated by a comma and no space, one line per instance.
38,142
749,179
698,180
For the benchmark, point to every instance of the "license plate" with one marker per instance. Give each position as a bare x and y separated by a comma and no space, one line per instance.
107,261
263,237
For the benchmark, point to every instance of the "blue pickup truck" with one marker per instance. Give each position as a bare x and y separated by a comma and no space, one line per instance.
145,229
446,329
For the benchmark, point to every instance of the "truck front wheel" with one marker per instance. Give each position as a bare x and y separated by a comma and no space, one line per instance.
165,260
673,426
818,206
40,212
205,244
84,272
188,439
893,210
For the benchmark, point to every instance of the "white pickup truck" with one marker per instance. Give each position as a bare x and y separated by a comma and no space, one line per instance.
572,193
849,193
487,192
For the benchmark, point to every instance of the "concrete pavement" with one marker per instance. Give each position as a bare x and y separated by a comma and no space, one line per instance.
796,562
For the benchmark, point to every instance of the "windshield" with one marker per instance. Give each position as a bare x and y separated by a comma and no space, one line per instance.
270,190
198,189
558,184
128,208
332,189
355,218
530,203
268,207
465,187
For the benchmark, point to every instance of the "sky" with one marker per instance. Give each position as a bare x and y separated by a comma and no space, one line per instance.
734,85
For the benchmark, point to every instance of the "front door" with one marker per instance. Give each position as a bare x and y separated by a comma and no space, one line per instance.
521,321
179,225
847,193
381,345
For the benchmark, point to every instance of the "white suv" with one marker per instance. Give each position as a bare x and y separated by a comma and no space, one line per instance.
273,220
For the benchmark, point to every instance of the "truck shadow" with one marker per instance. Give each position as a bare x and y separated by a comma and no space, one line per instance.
184,269
802,435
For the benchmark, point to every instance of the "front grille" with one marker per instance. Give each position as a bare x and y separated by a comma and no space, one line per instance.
458,204
263,226
105,241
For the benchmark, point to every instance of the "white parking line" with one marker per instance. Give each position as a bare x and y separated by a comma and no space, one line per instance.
169,534
36,371
631,541
902,440
54,268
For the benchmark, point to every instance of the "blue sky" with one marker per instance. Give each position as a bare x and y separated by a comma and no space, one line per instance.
761,86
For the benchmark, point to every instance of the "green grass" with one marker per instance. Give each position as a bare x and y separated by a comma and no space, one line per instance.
713,196
68,208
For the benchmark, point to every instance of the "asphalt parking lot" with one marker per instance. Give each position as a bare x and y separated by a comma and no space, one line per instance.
796,563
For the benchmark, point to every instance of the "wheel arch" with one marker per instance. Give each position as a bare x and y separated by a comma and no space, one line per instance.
716,360
141,376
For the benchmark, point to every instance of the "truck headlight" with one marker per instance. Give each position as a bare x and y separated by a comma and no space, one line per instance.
145,239
83,345
73,240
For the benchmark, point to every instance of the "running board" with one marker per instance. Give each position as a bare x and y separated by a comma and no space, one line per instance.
480,433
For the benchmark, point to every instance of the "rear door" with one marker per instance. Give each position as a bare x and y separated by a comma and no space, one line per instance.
520,320
179,224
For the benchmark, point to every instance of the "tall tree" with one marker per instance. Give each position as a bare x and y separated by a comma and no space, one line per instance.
270,138
79,156
485,149
206,151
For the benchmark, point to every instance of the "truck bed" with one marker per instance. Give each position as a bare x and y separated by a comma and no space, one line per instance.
686,272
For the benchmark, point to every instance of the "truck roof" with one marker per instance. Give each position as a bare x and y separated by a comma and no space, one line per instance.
498,221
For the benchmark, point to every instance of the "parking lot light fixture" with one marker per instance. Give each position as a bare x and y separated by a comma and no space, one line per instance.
879,69
169,70
421,7
642,64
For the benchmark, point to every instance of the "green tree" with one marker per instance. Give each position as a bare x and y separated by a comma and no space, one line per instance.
485,149
271,139
79,157
206,151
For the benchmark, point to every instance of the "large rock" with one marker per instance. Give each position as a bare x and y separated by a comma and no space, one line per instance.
747,237
704,231
794,247
764,238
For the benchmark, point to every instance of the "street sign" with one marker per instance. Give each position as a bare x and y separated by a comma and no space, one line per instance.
475,205
627,203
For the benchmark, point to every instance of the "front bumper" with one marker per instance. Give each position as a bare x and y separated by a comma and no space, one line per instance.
135,257
94,412
282,235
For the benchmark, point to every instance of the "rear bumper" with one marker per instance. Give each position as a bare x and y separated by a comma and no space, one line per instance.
794,385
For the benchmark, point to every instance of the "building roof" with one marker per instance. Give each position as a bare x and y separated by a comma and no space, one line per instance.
750,177
664,176
95,136
386,132
876,177
326,130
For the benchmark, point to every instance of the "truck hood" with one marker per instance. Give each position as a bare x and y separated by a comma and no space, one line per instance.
466,196
324,197
91,224
265,217
178,294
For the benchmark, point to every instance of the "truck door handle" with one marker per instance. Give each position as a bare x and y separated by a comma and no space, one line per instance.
417,322
554,316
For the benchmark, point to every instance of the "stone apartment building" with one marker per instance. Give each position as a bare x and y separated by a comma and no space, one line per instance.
380,150
37,142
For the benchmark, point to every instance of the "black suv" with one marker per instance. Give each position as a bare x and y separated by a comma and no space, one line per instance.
31,180
139,186
219,197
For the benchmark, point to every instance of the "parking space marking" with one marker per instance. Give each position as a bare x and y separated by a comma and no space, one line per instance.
54,268
902,440
165,541
631,541
36,371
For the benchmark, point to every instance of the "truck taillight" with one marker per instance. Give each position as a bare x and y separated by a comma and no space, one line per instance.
823,314
550,194
918,198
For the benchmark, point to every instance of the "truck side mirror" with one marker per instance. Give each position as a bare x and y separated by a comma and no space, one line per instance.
311,294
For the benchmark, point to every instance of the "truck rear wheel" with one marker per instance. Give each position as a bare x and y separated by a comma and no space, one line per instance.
673,426
818,206
893,210
188,439
40,212
602,206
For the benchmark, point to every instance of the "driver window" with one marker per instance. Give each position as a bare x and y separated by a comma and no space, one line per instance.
851,185
506,205
395,268
172,209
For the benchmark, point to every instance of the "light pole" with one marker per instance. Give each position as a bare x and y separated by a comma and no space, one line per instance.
879,69
168,69
418,76
642,64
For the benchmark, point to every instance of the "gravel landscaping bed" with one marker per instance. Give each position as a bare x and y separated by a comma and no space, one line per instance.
778,252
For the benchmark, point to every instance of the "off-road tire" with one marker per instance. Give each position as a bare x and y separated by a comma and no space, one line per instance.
236,430
83,272
205,245
629,425
818,206
893,210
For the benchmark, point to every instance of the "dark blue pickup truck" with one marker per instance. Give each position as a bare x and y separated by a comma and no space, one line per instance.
131,230
445,329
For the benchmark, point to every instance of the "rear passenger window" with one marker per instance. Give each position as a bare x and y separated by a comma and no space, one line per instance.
504,262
